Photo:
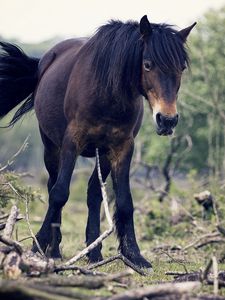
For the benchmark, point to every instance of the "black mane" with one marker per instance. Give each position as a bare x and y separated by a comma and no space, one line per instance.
166,49
116,52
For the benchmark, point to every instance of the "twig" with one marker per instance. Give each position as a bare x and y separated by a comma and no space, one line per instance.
80,269
29,227
176,261
210,241
25,238
126,261
103,190
12,159
175,273
215,210
103,262
205,236
215,275
106,233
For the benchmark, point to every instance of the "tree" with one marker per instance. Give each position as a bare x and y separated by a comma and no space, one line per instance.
201,103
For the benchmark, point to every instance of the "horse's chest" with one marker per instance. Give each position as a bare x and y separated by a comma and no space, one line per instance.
106,134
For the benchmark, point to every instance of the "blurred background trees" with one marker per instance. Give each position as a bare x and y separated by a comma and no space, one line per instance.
199,141
201,104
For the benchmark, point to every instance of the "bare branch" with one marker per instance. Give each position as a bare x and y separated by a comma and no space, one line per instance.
29,227
215,275
12,159
9,226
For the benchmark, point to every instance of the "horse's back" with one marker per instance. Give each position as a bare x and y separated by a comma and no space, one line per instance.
59,49
54,71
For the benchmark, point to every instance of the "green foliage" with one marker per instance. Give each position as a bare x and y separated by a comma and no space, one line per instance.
201,102
12,188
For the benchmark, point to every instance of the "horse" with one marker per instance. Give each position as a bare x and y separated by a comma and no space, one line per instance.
88,94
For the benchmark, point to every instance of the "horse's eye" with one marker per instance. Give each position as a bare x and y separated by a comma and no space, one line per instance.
183,68
147,65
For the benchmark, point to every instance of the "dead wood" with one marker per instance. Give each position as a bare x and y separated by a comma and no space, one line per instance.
11,222
3,225
15,290
202,239
29,227
88,282
79,269
159,291
33,264
9,242
126,261
11,265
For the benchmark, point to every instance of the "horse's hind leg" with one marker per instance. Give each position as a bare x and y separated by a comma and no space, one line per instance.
51,159
94,199
58,196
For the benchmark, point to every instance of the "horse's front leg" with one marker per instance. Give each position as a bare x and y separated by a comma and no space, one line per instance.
58,196
94,199
120,165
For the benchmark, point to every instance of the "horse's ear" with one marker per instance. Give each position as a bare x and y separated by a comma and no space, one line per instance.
145,26
185,32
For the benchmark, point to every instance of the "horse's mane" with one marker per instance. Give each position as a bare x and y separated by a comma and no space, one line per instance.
116,52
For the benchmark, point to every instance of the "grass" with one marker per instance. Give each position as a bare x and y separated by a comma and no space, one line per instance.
158,236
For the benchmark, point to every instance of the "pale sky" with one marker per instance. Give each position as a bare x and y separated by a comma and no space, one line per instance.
37,20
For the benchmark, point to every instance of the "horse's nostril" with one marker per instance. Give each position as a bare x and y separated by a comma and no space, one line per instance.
159,119
176,120
165,121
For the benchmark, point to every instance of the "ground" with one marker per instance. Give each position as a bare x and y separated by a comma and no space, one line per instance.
161,232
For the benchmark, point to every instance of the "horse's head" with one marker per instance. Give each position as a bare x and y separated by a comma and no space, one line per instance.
164,60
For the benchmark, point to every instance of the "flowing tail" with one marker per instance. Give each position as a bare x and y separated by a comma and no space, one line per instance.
18,79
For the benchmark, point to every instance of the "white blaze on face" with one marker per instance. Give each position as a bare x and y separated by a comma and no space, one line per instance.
162,107
155,111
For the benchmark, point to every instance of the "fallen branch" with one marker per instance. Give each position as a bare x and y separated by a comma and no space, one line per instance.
13,290
203,237
126,261
80,269
9,226
89,282
215,275
159,290
176,261
2,225
30,229
210,241
12,159
9,242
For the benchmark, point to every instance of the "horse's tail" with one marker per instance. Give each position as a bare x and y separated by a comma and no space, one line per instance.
18,79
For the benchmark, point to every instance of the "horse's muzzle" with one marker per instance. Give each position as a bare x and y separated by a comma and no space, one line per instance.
165,124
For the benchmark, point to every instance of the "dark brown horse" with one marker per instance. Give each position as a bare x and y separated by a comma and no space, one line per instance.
87,94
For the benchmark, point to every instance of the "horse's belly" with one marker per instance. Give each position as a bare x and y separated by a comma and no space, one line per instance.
90,151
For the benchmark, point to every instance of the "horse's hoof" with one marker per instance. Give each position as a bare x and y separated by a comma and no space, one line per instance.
139,261
94,257
55,255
